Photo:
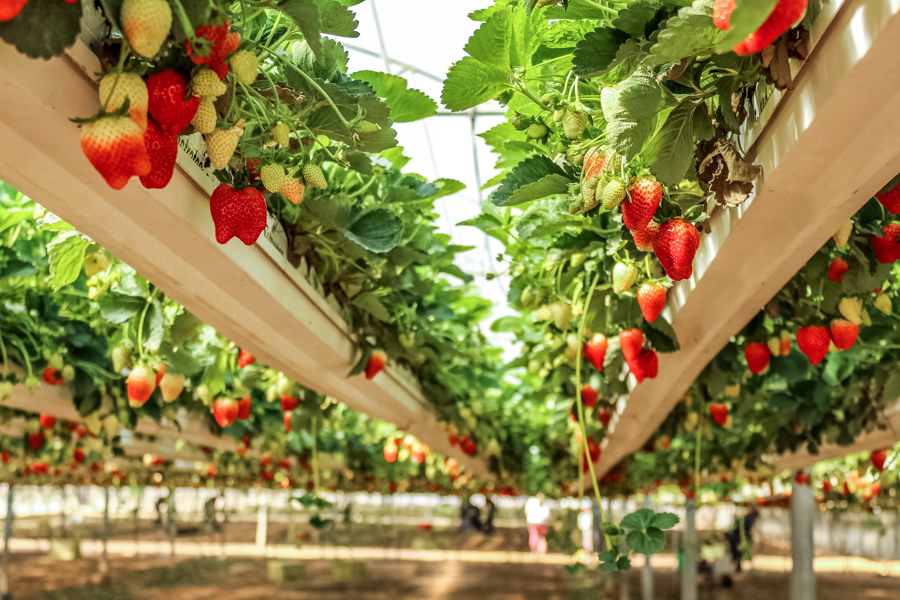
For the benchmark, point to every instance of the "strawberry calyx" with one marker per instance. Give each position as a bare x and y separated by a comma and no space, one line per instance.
122,111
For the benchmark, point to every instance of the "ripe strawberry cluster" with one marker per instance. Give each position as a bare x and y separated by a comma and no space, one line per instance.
781,19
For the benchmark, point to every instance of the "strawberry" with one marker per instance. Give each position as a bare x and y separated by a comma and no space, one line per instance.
146,24
35,440
115,147
313,176
883,303
631,341
204,120
221,144
281,134
469,447
245,359
574,122
52,376
225,411
221,42
722,13
757,356
675,247
376,363
843,333
292,189
851,309
813,342
47,421
160,369
595,350
886,248
238,213
878,459
253,166
162,148
141,383
786,13
167,92
603,416
801,478
390,452
245,66
594,163
589,396
206,84
272,177
719,413
116,87
651,298
837,269
890,200
842,235
624,274
646,237
244,408
646,193
648,364
265,460
78,456
171,386
10,9
121,356
613,193
289,403
826,486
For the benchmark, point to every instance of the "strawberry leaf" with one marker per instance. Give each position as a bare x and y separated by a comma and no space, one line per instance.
689,34
305,15
337,19
44,28
533,178
66,253
632,113
377,231
406,104
597,50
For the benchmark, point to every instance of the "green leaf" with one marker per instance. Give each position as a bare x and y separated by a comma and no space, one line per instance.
197,12
378,230
119,308
628,58
185,329
633,19
661,336
530,171
623,564
337,19
154,327
370,303
673,144
689,34
406,104
44,28
597,51
650,541
333,58
471,82
66,257
305,15
178,362
632,115
746,18
664,520
639,519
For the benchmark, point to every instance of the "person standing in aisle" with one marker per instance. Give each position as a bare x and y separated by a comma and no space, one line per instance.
536,516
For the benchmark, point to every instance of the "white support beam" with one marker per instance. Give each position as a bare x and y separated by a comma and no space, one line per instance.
252,295
803,518
825,149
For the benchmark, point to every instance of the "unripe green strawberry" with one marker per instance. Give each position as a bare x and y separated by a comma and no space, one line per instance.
607,97
146,24
577,259
574,122
121,357
117,87
851,309
281,134
221,144
561,313
245,66
272,177
68,372
883,303
576,204
96,262
613,194
204,119
536,131
313,176
366,128
602,183
842,235
589,191
558,115
624,274
207,84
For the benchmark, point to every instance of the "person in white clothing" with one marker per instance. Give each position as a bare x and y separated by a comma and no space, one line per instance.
536,515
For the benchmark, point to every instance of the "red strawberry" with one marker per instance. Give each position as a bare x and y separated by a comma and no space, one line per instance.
675,247
886,248
595,350
245,359
141,383
162,148
878,458
631,341
4,457
648,363
390,452
238,213
826,486
225,411
10,9
785,343
646,237
36,440
604,417
253,166
801,478
719,413
890,200
265,460
594,163
221,42
288,403
646,193
843,333
78,456
160,371
267,475
786,13
837,269
651,298
52,376
167,92
757,356
722,13
47,421
244,408
469,447
813,342
115,147
376,363
589,396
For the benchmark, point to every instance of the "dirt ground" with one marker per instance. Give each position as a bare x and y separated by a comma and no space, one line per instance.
37,577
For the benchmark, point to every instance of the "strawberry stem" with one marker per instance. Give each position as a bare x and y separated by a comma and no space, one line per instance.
5,357
18,343
185,21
